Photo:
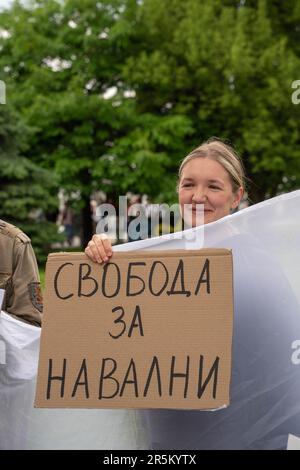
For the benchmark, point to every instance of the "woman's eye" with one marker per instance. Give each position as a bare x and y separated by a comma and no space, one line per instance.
187,185
214,187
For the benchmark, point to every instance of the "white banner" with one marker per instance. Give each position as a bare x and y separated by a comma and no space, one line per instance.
265,387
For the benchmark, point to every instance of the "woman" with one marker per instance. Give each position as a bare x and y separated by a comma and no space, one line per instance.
211,178
265,400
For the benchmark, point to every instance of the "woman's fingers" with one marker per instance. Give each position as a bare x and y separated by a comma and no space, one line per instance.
106,245
99,248
103,245
92,252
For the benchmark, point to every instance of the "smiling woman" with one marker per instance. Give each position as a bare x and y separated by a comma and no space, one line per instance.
211,178
211,182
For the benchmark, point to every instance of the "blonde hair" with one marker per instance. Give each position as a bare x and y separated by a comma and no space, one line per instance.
222,153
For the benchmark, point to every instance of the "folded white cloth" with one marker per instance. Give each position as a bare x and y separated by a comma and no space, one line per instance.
265,388
265,382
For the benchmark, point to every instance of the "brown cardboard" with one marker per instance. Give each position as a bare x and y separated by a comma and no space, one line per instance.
86,361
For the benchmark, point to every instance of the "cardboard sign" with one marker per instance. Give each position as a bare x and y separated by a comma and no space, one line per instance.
145,330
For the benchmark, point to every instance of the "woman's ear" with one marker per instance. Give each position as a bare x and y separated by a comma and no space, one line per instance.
237,196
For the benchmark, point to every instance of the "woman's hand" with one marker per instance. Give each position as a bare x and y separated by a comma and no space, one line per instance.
99,248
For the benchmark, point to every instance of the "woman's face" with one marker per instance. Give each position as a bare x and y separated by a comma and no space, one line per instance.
205,181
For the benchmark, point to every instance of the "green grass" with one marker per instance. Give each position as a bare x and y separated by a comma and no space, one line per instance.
42,278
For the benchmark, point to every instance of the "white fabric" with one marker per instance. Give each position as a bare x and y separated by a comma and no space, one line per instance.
293,443
265,383
265,388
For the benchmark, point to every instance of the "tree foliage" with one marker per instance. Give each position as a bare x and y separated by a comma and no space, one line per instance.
115,93
26,189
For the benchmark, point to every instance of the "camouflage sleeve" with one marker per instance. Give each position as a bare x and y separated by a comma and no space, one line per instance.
25,301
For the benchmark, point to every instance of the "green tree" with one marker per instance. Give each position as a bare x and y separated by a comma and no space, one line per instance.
25,189
228,67
63,58
117,92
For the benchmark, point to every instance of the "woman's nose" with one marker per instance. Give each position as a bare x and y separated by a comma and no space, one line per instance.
199,195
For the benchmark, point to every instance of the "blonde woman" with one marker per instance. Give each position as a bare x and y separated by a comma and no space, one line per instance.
265,383
211,178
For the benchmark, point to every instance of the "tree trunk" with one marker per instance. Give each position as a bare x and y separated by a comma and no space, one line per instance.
87,223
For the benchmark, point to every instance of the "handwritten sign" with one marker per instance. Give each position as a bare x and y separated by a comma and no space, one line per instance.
145,330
